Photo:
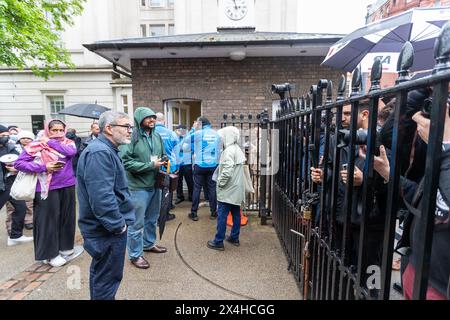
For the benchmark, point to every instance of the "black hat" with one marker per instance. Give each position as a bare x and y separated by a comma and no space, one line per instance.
180,126
3,129
204,121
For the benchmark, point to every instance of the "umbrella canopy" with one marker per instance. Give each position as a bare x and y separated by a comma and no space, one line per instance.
420,26
84,110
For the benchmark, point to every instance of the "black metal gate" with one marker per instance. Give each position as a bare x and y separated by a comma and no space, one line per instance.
331,255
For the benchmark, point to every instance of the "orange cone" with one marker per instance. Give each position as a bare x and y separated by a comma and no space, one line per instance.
244,220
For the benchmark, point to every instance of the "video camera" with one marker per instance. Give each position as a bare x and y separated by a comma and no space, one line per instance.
344,137
426,107
281,88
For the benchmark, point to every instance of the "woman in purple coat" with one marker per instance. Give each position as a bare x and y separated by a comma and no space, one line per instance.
54,202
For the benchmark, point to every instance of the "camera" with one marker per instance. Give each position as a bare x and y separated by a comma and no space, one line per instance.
344,137
426,106
281,88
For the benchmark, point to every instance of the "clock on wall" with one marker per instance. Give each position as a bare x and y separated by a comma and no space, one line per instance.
236,9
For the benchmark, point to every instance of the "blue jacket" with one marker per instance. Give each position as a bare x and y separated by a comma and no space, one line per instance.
185,151
170,140
206,145
104,200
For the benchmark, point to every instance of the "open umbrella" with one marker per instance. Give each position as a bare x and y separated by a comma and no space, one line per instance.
85,110
420,26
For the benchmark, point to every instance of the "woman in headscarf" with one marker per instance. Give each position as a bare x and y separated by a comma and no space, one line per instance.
230,188
54,204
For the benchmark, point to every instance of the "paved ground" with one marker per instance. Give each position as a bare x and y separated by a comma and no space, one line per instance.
255,270
189,270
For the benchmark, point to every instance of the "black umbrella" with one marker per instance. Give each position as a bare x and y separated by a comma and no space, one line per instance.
85,110
164,211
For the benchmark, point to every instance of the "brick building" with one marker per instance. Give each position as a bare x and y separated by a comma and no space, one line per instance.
230,71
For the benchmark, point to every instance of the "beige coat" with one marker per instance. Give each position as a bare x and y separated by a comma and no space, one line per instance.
230,178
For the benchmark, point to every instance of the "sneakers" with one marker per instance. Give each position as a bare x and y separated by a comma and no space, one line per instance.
22,239
203,204
178,201
28,226
56,262
213,216
66,252
193,216
232,241
212,245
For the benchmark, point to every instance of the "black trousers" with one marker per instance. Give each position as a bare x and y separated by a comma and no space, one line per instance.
20,209
203,178
186,172
106,271
54,223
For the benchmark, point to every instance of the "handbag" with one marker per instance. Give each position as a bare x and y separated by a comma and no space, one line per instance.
166,180
24,186
248,180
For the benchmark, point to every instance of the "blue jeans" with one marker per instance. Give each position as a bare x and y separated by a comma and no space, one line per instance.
106,271
222,212
142,234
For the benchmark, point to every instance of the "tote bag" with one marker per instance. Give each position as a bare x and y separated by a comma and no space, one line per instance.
24,187
248,180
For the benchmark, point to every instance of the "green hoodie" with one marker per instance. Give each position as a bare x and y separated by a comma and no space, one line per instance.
141,172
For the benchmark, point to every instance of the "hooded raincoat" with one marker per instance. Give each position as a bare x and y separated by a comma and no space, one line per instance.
230,178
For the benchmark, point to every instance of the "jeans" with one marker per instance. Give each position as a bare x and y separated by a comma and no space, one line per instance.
224,209
142,234
106,271
203,178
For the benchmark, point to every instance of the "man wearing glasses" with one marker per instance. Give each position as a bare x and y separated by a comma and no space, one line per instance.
142,161
105,206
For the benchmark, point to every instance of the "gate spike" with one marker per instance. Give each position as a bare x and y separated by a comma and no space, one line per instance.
341,88
404,62
375,75
356,82
442,50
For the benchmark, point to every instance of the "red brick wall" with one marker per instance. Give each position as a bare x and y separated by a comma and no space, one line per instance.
390,9
223,85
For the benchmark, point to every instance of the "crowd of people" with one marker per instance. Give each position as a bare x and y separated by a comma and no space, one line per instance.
415,130
112,175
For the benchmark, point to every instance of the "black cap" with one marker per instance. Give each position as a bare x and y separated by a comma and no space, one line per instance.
3,129
204,121
180,126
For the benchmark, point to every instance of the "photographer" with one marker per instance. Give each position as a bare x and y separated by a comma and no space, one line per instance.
412,191
376,215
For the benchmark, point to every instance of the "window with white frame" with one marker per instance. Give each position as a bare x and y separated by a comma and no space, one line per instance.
143,30
157,30
56,104
171,29
156,3
125,103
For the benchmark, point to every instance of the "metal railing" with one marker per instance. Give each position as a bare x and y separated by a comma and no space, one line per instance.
336,247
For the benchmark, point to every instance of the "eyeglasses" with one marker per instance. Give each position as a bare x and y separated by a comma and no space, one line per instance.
129,128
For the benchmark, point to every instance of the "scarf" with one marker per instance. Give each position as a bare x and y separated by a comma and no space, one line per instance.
44,154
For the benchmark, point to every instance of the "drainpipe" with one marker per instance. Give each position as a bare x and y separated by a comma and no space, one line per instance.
126,74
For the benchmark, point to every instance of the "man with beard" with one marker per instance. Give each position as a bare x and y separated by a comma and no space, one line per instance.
142,161
105,206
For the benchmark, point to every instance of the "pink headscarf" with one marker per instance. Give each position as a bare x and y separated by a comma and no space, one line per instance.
44,154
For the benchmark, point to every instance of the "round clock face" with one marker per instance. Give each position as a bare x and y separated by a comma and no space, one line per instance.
236,9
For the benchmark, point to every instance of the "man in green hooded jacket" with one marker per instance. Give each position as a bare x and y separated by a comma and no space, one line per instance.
142,161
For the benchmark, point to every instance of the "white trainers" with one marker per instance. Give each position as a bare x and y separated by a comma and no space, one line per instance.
203,204
22,239
57,261
66,252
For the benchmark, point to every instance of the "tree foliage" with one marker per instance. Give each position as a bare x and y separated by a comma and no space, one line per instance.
30,34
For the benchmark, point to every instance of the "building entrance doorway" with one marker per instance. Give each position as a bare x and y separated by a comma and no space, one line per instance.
182,111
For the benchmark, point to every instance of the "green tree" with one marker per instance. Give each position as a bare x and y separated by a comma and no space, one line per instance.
30,34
